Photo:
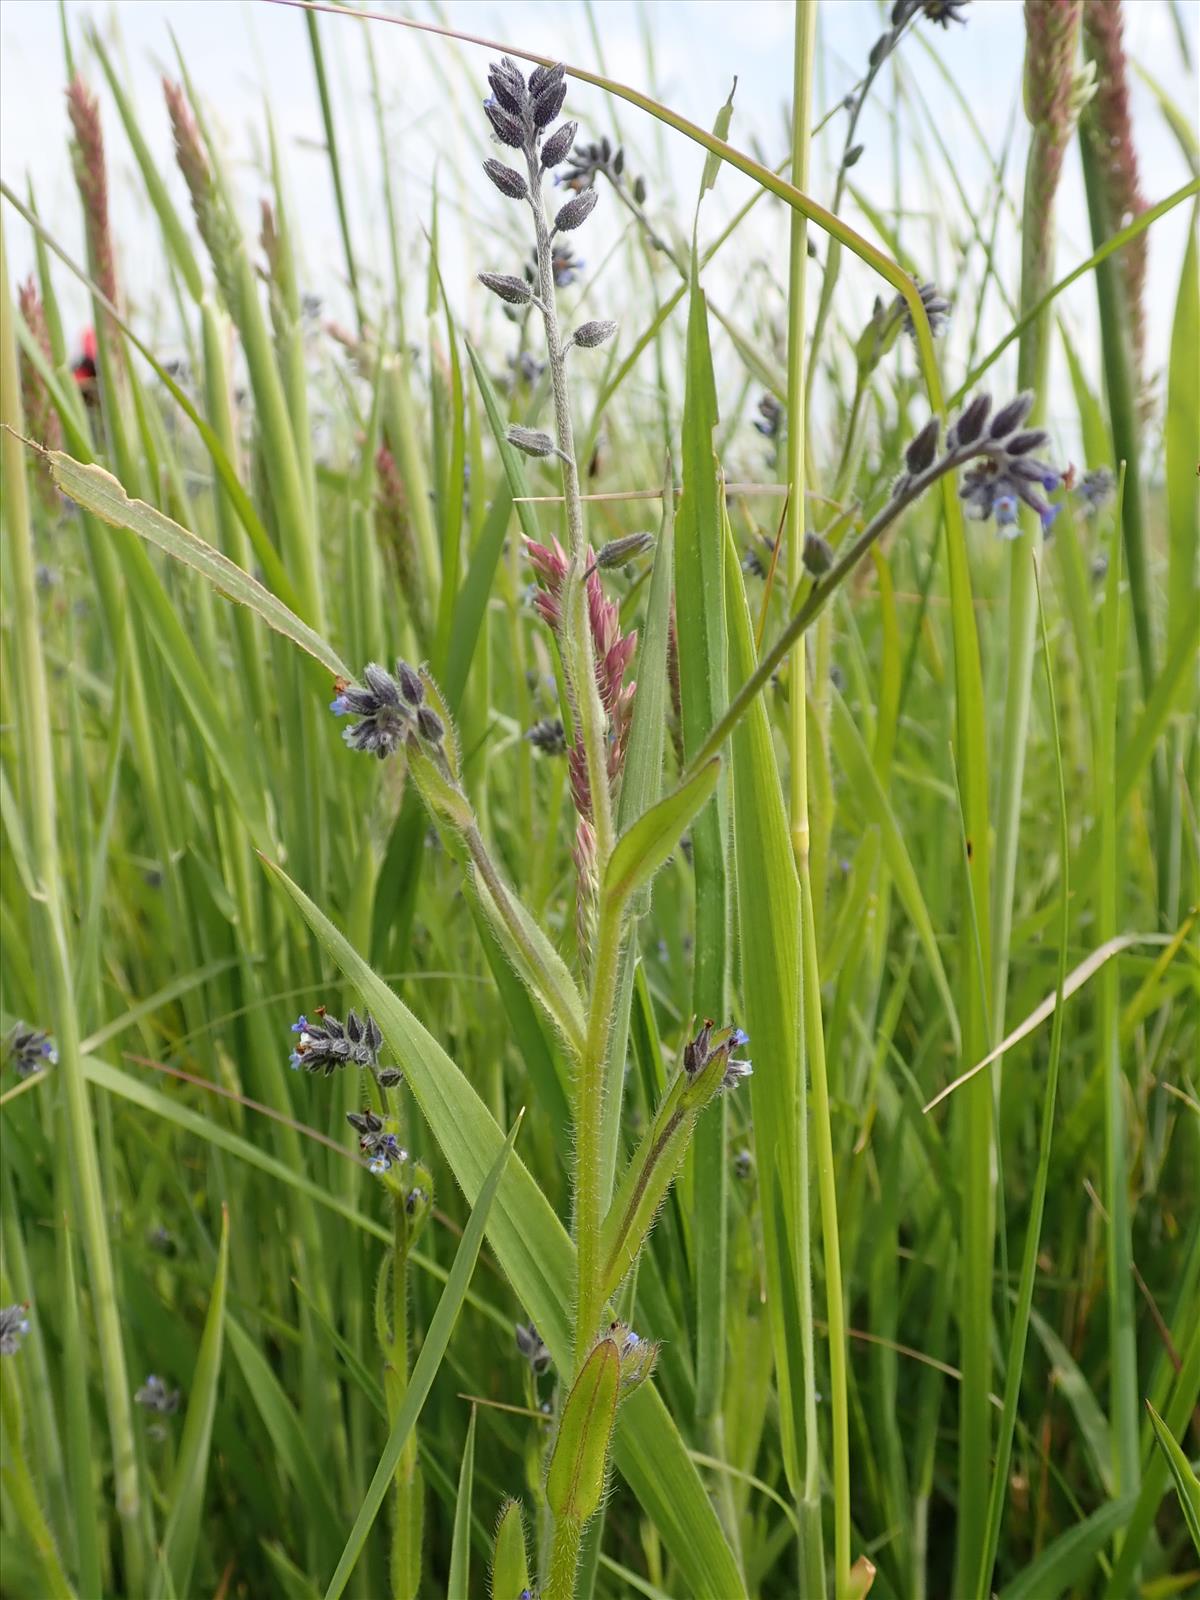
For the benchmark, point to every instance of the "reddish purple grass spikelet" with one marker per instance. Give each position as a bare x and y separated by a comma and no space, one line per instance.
613,651
1111,126
1052,27
41,419
91,176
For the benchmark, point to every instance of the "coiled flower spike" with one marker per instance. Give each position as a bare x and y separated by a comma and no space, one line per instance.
327,1044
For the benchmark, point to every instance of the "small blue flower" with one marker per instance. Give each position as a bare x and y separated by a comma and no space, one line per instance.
739,1039
340,706
1048,514
387,1153
735,1071
155,1396
301,1024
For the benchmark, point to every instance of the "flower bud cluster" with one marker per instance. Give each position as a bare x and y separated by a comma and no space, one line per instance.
1005,468
391,710
520,113
327,1044
30,1050
14,1325
376,1141
711,1052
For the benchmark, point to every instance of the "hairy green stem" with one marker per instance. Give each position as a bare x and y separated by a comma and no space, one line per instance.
516,930
589,1120
576,631
564,1560
819,597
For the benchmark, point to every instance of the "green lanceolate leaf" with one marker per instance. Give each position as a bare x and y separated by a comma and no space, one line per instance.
700,615
536,1254
460,1544
1187,1485
510,1566
425,1368
191,1470
1069,1558
712,162
575,1480
647,844
99,492
767,912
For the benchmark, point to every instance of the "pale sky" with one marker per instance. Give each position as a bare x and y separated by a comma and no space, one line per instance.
237,51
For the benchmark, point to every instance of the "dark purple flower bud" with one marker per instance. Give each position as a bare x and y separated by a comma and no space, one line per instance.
923,449
410,683
558,146
618,162
508,85
506,180
506,127
970,424
381,684
541,77
852,155
514,290
1022,443
389,1077
576,211
593,333
430,725
1010,417
30,1049
531,440
549,736
818,555
619,551
530,1345
549,103
639,190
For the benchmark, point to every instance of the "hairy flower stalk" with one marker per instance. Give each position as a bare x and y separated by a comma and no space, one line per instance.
324,1046
594,655
520,113
1004,452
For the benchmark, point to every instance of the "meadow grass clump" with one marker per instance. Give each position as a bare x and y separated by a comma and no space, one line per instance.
742,1123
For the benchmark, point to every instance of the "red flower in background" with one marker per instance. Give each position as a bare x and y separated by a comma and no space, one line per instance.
84,366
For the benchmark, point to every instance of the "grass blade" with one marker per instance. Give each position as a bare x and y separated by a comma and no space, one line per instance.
424,1371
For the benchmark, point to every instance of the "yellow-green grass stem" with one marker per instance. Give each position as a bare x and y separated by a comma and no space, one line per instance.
38,760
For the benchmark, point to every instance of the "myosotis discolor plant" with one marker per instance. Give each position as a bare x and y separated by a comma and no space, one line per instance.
747,849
